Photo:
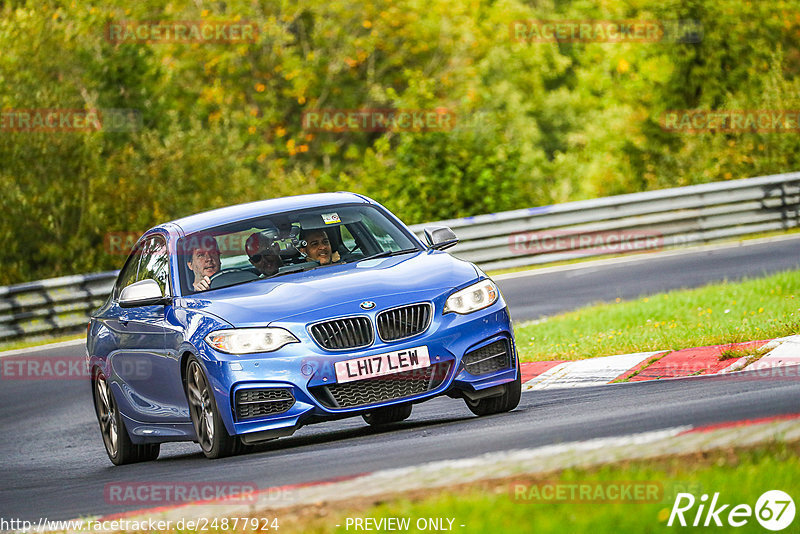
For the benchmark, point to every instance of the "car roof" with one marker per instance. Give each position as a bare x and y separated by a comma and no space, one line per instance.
229,214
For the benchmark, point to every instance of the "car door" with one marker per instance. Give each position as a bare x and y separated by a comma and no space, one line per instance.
150,373
112,320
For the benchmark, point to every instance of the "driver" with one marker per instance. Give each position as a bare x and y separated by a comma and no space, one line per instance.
317,247
264,252
204,263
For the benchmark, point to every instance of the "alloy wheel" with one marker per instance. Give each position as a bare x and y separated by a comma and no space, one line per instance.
200,404
106,414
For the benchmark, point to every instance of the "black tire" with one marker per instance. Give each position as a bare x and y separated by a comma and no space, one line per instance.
211,434
503,403
119,447
389,414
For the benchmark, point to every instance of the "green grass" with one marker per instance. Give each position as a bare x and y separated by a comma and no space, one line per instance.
13,345
716,314
734,353
740,476
650,362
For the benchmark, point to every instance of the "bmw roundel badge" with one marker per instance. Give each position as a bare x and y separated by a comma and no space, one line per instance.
367,305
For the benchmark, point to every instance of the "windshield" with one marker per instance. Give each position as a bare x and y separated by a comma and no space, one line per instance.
290,242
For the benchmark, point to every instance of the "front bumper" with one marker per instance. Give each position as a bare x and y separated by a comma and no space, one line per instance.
307,373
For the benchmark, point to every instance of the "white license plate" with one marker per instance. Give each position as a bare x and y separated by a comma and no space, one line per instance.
382,364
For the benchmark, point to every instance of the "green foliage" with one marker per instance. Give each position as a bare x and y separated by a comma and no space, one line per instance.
536,123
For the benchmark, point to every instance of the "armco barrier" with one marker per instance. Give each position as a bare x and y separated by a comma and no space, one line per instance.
672,217
664,218
57,305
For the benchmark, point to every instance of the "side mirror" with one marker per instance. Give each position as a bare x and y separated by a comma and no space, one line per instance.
440,237
142,293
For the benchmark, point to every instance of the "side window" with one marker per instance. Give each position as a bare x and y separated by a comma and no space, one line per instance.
129,272
155,263
347,238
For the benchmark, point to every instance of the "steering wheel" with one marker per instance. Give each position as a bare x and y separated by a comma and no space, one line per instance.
214,280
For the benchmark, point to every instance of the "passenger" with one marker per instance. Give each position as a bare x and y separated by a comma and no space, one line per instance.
264,253
318,247
204,263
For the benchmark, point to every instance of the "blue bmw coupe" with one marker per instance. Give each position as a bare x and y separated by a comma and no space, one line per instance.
240,325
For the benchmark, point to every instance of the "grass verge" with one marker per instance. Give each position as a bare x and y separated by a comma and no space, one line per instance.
717,314
511,505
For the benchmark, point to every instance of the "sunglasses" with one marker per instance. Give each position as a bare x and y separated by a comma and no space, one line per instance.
256,258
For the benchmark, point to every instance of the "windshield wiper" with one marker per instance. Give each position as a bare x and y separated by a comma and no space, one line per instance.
387,253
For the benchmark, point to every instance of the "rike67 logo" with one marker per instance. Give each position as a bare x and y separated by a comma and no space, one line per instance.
774,510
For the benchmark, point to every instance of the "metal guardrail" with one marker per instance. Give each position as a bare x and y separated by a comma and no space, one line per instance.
534,236
53,306
632,222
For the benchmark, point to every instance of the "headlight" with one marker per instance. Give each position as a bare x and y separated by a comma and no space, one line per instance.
249,340
473,298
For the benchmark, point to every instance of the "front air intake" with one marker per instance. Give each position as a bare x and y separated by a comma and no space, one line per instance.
382,388
488,359
255,403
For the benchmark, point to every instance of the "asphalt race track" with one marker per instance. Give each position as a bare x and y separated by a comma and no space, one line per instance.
54,464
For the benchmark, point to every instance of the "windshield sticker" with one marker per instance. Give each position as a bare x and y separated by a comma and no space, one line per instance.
331,218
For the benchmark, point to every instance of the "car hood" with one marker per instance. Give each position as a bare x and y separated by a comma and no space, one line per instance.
333,290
